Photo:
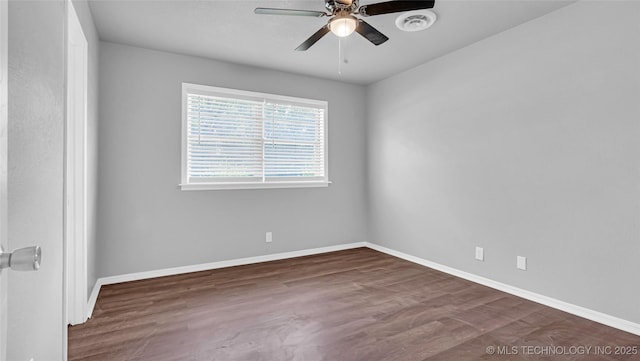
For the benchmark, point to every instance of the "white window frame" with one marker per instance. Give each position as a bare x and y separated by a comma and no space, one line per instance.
187,185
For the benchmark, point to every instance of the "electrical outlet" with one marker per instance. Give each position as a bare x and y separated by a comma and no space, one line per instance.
480,253
521,263
269,237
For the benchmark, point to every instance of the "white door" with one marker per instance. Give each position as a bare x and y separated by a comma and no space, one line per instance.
3,172
25,259
32,123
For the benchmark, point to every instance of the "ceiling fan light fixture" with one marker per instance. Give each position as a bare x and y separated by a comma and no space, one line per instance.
343,25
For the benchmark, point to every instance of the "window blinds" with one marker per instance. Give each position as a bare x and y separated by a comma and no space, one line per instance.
240,138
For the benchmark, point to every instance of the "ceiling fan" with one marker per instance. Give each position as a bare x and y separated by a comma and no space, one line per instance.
343,21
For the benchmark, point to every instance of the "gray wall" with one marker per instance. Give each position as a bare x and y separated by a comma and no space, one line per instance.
36,129
89,29
525,143
147,223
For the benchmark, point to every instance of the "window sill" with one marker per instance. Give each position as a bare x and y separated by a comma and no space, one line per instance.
249,185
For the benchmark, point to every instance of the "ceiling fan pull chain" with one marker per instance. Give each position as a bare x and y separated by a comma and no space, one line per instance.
339,56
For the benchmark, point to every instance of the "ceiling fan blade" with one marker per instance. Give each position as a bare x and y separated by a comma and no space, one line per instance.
292,12
370,33
313,38
398,6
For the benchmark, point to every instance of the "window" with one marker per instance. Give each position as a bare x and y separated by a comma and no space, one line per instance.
233,139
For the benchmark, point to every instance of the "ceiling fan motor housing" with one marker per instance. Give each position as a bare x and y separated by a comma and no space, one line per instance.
341,6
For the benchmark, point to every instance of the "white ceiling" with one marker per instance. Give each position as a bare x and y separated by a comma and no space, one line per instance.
230,31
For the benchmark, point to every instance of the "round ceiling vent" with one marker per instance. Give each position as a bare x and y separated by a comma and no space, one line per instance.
416,20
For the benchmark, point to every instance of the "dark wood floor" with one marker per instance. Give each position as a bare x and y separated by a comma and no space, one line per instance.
343,306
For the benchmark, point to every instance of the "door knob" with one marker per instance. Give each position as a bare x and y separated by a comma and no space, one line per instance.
23,259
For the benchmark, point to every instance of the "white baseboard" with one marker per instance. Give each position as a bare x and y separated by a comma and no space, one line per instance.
589,314
91,304
210,266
